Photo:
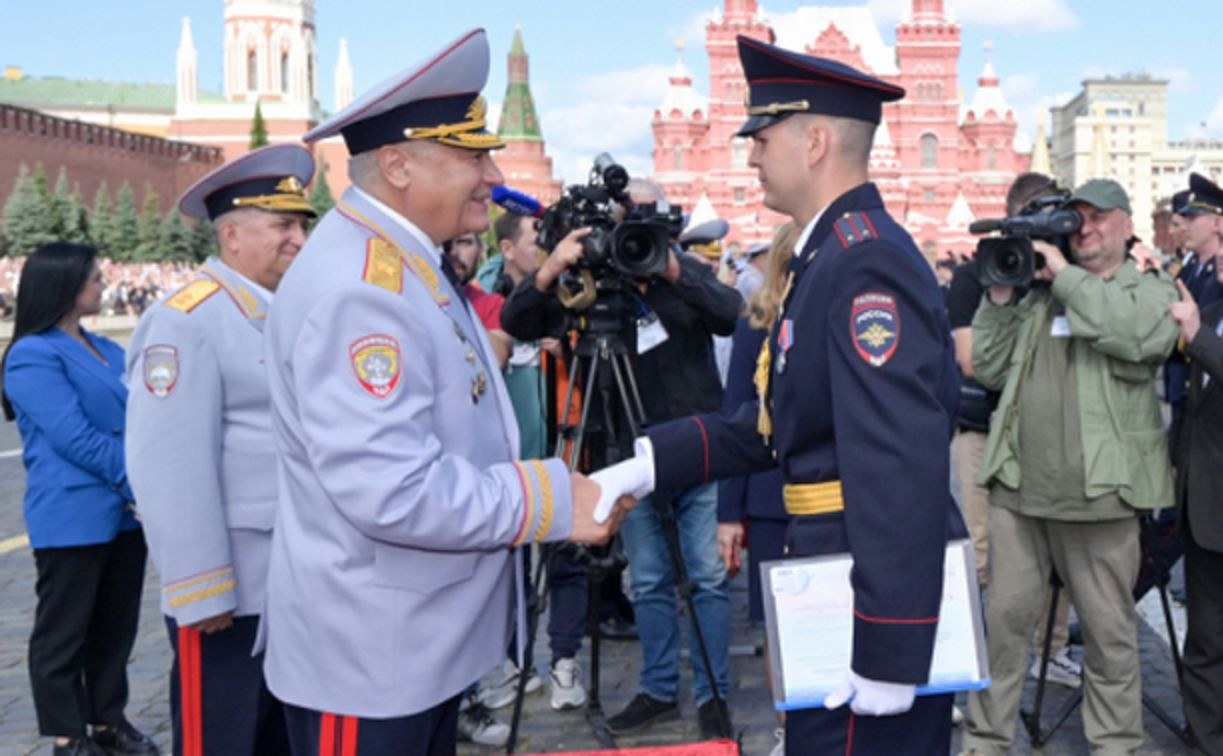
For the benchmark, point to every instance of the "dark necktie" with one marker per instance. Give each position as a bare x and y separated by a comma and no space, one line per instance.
453,277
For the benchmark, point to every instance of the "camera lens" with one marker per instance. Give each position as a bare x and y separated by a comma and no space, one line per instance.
1009,262
1005,262
640,248
635,247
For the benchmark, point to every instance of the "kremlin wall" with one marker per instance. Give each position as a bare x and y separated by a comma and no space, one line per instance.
940,161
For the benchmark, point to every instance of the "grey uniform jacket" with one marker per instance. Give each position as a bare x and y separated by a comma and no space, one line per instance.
199,446
389,589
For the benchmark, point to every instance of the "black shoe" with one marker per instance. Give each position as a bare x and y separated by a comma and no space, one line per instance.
710,721
640,713
617,629
79,747
125,739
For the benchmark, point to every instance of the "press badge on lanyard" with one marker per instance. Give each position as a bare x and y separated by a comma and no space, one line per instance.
1060,328
650,332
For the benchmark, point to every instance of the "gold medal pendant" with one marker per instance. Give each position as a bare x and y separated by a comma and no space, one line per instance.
479,385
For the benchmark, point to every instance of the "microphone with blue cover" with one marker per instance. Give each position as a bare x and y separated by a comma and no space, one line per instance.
517,202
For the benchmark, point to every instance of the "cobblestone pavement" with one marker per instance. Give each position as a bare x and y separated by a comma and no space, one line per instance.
542,730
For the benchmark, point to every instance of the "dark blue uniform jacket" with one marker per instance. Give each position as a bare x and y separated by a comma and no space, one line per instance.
864,390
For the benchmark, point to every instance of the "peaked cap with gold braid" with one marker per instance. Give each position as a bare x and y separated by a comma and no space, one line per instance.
1204,196
270,178
437,99
782,83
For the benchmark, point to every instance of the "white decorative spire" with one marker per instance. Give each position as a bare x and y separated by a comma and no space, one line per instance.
187,90
343,78
960,214
703,212
1040,162
989,95
680,95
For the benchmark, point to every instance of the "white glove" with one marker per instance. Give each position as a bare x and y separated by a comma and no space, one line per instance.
871,697
632,477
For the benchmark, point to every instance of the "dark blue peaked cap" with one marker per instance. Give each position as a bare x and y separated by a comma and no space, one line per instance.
782,83
1204,197
1179,201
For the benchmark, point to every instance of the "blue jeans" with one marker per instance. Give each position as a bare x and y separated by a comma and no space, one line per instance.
654,597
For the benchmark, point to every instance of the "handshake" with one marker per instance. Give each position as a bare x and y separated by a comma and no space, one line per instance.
601,502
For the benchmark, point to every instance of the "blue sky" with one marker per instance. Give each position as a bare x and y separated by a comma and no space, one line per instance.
596,76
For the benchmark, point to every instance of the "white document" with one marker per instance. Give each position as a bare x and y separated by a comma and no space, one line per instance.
809,614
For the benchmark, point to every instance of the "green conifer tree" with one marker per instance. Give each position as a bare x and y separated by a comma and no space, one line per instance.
28,219
148,228
321,198
59,201
176,244
126,226
102,221
203,240
68,212
259,130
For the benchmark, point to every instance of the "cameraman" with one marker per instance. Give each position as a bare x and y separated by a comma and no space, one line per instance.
972,428
684,306
1076,450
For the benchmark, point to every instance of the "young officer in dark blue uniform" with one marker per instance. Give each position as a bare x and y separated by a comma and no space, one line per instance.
859,388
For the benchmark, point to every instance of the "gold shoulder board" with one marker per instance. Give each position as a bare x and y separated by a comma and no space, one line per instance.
190,296
383,266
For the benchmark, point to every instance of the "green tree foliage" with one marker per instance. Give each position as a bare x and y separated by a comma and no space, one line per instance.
148,227
28,219
126,226
102,221
176,242
69,213
321,198
259,130
203,240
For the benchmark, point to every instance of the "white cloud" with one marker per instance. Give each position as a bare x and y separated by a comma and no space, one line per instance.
1179,79
1211,127
643,85
609,112
1029,101
1026,16
888,12
692,30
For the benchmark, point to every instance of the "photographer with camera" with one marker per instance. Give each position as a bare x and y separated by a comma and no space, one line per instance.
670,319
1075,452
1027,193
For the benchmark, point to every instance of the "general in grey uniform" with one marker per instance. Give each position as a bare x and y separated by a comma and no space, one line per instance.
390,587
200,452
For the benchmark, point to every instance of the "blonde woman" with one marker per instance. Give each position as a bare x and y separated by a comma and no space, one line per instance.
753,504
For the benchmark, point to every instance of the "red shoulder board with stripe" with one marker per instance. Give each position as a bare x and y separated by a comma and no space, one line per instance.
854,228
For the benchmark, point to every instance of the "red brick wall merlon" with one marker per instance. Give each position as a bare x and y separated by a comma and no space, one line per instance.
93,154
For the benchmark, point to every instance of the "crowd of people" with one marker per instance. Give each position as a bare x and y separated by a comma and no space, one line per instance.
130,288
348,453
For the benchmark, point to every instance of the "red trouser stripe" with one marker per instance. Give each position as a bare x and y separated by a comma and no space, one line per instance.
190,692
349,742
849,738
326,736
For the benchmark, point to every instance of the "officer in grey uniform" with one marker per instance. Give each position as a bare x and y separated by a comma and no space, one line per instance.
200,452
391,585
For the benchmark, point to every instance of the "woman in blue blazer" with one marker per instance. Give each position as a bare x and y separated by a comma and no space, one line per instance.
64,387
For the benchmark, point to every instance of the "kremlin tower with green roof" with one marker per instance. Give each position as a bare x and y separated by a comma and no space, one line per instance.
523,162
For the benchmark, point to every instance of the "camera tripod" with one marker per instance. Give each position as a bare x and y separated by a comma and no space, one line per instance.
1158,568
611,393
